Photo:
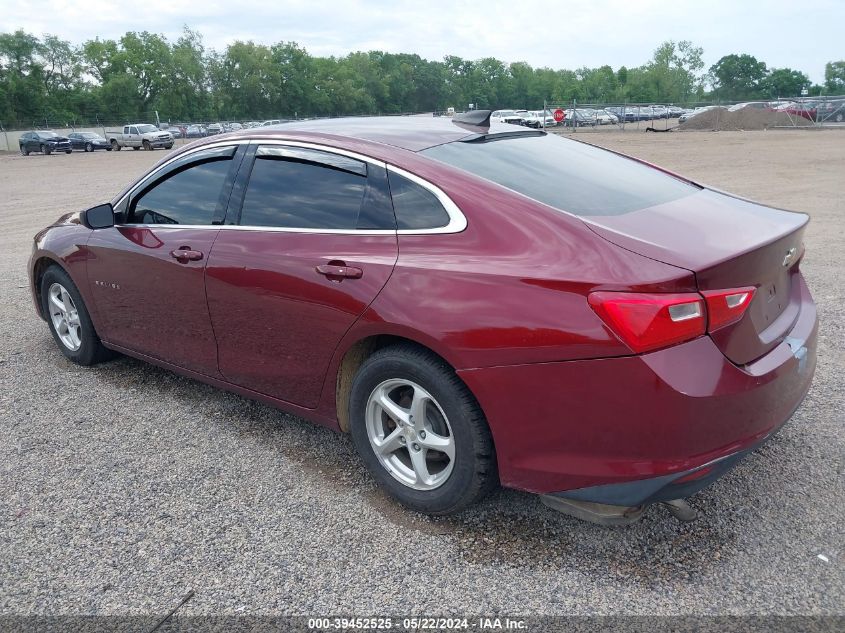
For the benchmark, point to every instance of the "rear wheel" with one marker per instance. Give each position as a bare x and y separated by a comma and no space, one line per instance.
420,431
135,147
115,145
70,323
24,150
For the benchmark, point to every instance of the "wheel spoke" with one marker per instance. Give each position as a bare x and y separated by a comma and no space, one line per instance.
391,443
56,301
391,408
67,301
73,335
435,442
420,467
418,407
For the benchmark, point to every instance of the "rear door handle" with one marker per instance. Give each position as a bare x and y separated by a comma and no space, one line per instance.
338,272
185,254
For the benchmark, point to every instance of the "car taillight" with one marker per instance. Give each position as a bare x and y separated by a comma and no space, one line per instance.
647,322
726,306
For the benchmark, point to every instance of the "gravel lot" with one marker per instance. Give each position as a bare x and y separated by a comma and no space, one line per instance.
123,486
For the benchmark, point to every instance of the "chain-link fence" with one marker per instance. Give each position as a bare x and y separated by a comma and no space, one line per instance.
712,115
804,112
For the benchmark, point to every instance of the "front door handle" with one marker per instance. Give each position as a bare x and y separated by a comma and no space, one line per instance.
336,272
185,254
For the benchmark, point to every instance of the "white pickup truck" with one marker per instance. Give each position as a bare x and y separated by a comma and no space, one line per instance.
140,135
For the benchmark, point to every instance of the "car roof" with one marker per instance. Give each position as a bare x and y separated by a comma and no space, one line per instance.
413,133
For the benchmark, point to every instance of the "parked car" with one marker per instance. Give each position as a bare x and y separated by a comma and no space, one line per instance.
88,141
140,135
832,111
214,128
195,131
579,118
539,119
234,127
507,116
271,122
749,105
675,112
44,141
445,300
806,109
603,117
697,111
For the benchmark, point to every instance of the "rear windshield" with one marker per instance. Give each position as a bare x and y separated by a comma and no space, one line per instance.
573,177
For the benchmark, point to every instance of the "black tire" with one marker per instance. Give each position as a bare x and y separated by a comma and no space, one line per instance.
115,145
24,150
108,149
89,147
135,147
474,471
147,146
168,146
45,149
68,151
91,350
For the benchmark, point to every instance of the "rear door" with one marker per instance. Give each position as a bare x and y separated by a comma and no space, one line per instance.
309,242
147,273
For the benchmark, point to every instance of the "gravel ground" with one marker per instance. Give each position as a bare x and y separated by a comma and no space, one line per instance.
124,485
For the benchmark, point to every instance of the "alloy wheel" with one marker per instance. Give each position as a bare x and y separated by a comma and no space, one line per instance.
410,434
64,317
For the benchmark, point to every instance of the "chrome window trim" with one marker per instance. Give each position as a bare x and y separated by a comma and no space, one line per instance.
457,220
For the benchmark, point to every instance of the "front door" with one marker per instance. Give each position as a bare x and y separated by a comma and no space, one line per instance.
147,274
309,248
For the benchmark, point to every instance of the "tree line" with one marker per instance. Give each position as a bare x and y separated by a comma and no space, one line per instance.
54,81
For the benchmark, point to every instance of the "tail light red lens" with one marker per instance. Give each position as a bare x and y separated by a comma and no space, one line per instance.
726,306
647,322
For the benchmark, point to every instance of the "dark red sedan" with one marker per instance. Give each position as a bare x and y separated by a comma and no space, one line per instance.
474,303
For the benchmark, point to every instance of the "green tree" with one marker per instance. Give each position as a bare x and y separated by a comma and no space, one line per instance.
784,82
834,77
738,77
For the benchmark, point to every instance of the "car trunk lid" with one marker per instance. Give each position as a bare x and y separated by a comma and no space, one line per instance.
728,242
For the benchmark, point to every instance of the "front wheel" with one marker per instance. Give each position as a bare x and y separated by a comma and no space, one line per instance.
168,146
69,321
420,431
89,147
147,146
135,147
68,151
45,149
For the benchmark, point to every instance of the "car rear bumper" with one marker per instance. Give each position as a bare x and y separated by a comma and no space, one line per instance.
641,428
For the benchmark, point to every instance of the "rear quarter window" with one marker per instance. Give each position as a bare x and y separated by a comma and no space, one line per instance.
571,176
415,206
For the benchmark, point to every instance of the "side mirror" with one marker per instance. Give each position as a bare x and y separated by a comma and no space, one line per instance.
99,217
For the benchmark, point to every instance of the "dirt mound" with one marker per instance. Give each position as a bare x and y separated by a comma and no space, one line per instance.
746,119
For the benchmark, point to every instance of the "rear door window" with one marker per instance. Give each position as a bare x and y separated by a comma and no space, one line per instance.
298,188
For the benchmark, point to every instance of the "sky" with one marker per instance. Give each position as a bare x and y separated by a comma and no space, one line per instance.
566,34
